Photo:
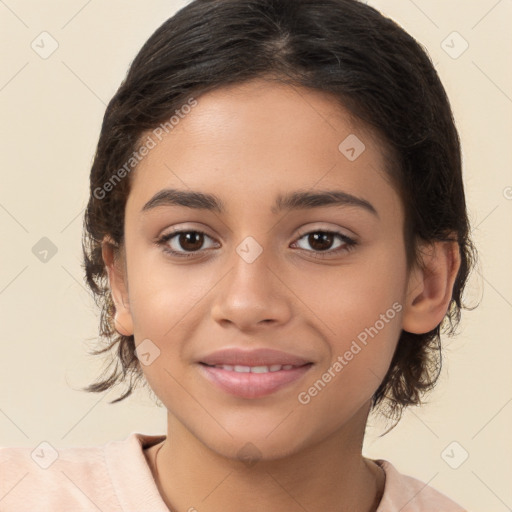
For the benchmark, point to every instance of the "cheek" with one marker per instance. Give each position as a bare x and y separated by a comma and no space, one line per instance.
360,358
360,312
364,358
161,294
346,300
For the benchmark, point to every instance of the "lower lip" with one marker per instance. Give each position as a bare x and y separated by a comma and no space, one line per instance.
252,385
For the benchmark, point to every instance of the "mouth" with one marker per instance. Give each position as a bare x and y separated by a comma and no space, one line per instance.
253,382
254,369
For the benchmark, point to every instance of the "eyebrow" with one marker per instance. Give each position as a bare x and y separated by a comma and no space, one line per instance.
290,201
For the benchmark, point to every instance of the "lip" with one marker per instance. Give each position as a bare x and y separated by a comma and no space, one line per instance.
254,357
252,385
248,384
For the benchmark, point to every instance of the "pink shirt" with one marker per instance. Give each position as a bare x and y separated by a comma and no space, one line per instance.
116,478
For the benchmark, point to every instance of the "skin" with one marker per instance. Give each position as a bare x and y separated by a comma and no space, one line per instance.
246,144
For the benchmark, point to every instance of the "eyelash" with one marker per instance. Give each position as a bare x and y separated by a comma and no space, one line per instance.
349,243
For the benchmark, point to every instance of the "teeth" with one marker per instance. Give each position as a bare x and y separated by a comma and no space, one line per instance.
259,369
242,369
254,369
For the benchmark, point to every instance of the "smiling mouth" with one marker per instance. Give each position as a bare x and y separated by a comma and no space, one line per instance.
255,369
252,382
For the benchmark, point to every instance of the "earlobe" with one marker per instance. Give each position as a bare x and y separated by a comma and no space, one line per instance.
123,321
430,288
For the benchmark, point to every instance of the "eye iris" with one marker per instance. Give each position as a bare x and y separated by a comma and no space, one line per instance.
314,239
191,238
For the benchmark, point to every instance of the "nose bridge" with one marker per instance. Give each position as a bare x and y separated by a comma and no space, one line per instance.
250,277
251,292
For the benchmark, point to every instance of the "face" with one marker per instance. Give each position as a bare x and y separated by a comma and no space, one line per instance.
295,257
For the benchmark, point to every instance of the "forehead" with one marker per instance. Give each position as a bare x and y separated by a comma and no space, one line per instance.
253,140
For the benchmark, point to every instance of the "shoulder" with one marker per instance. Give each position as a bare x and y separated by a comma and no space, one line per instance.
47,478
407,494
84,478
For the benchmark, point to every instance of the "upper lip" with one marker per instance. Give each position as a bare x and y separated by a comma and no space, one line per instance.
254,357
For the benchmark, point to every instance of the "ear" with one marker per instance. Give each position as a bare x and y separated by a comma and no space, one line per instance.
430,288
123,321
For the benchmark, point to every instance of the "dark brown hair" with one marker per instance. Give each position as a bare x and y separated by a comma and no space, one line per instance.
376,71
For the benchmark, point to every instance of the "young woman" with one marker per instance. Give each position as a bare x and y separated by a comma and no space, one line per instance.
276,234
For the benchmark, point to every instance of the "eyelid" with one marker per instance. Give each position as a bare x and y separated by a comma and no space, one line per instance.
184,229
347,233
300,232
169,235
349,243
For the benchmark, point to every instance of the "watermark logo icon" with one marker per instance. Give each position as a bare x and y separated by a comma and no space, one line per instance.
454,455
147,352
44,250
249,249
249,454
44,455
352,147
454,45
44,45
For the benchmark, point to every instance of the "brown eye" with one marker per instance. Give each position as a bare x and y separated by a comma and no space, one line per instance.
179,243
191,240
322,241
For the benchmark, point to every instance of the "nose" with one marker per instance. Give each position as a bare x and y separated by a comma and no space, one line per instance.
253,292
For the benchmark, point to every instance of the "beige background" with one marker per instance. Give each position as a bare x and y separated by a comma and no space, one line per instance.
51,113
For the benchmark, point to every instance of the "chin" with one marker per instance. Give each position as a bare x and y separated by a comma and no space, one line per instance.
251,451
253,445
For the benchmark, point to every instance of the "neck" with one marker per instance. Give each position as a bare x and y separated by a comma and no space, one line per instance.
329,475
